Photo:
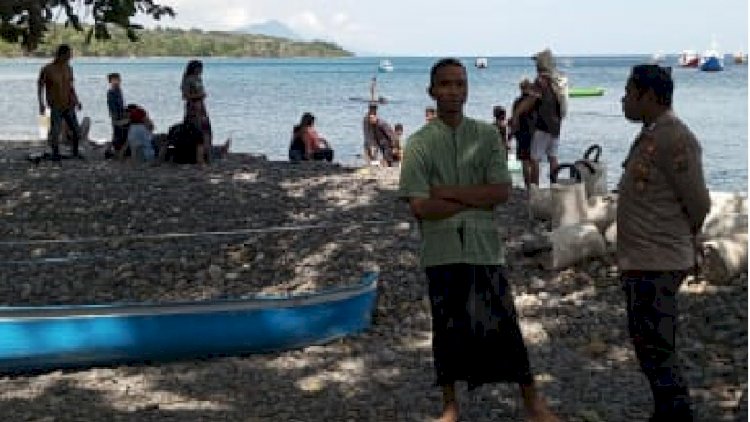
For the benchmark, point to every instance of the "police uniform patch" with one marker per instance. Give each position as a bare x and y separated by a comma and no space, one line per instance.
680,160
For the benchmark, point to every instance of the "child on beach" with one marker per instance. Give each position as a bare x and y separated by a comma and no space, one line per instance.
501,124
117,113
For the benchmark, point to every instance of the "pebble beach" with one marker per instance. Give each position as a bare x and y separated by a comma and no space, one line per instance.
93,232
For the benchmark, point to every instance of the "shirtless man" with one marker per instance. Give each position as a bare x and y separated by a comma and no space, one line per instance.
56,82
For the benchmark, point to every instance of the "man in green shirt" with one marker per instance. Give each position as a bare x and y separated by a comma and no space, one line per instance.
453,174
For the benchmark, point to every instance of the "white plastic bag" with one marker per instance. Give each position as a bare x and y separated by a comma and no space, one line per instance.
725,258
569,205
728,215
602,210
724,225
593,171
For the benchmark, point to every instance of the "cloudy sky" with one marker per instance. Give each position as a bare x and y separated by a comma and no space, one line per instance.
488,27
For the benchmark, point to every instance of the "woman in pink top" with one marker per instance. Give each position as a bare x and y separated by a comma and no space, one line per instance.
316,147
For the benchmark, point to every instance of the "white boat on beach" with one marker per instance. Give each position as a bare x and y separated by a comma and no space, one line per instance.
385,66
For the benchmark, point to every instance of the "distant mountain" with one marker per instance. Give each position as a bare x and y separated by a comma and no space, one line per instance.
272,28
174,42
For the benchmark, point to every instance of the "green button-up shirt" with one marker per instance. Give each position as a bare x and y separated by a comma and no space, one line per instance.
467,155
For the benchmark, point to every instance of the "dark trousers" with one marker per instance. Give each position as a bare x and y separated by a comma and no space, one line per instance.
56,118
119,135
652,322
476,337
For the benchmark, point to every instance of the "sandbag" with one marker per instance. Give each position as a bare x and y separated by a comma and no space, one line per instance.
601,211
569,205
610,236
728,202
593,172
728,215
725,258
724,225
576,243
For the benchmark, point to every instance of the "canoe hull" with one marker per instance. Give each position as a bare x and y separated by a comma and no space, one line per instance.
147,333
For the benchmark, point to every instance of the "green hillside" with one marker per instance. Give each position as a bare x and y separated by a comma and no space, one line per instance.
176,43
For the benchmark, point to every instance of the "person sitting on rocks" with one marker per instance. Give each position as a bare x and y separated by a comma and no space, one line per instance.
378,138
180,144
140,135
307,144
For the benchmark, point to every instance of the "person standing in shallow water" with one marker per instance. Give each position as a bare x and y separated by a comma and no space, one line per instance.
56,82
453,174
662,203
196,114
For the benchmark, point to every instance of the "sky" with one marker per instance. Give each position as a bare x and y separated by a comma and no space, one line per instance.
487,27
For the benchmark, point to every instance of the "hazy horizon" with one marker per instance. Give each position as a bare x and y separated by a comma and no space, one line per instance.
500,28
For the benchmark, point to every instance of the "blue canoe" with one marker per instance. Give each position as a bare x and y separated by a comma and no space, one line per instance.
53,337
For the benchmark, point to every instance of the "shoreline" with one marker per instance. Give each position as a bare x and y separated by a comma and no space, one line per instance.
572,320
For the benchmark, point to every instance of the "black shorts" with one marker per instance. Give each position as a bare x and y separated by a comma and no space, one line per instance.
523,146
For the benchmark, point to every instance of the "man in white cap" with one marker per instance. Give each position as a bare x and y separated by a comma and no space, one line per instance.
548,100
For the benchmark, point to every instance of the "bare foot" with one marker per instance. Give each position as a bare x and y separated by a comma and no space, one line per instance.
450,413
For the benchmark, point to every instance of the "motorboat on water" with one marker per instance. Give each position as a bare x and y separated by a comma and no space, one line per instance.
739,57
385,66
689,58
481,63
712,60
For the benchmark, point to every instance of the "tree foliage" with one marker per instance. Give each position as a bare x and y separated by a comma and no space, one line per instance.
25,22
168,42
